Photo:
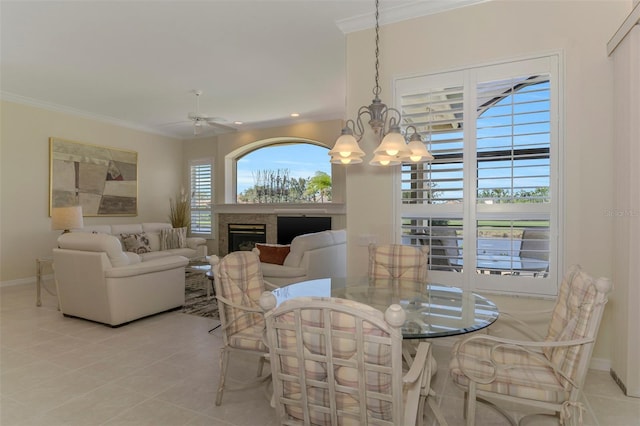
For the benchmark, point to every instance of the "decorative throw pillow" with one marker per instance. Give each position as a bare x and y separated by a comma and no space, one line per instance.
136,243
173,238
273,253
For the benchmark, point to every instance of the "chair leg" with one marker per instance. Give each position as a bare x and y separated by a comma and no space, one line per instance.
260,366
224,361
471,404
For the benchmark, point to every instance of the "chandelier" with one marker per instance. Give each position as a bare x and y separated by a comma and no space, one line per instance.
385,122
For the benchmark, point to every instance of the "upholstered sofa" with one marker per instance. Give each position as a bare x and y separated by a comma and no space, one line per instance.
192,247
98,281
310,256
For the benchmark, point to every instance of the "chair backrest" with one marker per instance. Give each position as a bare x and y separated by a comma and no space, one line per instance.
398,261
238,278
576,315
335,361
535,244
444,248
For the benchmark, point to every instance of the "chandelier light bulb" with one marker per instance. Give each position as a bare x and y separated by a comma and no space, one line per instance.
345,160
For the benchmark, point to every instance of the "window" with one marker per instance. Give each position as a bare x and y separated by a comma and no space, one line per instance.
489,197
284,172
201,185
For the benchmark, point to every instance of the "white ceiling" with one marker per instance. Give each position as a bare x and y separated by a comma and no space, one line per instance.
136,63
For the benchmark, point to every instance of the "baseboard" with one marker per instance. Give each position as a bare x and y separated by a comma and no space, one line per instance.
600,364
24,281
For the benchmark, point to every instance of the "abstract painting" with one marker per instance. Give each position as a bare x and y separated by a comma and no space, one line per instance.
104,181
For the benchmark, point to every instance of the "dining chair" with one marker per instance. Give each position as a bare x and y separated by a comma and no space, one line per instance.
338,361
397,261
535,245
546,374
444,253
238,283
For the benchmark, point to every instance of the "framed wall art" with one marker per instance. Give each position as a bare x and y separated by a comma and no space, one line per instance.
104,181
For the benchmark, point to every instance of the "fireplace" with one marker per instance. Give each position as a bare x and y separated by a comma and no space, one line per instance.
243,237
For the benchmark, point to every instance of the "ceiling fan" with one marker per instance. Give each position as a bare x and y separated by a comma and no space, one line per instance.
201,120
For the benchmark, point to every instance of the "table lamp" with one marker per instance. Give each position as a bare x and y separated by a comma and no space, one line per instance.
66,218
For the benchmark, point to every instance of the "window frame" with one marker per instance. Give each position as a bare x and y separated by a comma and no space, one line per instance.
469,209
200,162
231,170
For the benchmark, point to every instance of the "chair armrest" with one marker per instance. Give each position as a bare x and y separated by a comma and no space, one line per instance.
420,362
524,346
194,242
236,306
270,285
416,382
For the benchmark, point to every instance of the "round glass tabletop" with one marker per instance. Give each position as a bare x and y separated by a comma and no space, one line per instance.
433,310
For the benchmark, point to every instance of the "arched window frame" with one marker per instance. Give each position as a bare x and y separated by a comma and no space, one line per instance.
231,161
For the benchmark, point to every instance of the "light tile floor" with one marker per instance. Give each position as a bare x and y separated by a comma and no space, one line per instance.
163,370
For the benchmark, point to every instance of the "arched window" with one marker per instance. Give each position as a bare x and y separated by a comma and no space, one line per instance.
284,172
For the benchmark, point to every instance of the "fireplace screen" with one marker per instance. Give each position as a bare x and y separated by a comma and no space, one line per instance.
243,237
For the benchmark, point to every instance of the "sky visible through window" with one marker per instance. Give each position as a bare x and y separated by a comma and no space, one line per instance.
302,160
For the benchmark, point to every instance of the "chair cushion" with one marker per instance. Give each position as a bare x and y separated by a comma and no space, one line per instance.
249,338
377,357
570,319
241,282
398,261
535,381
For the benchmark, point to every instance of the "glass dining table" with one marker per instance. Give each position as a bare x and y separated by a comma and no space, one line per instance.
432,310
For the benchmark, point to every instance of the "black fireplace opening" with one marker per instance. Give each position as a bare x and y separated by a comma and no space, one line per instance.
243,237
290,227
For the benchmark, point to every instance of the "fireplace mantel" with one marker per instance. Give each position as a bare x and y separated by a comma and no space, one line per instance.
282,209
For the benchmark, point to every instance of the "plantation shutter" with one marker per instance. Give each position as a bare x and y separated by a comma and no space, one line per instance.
201,180
487,204
437,114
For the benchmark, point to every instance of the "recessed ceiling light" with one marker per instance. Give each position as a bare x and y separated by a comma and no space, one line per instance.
295,114
238,123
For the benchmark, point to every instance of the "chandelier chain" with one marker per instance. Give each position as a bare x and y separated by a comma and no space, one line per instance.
376,89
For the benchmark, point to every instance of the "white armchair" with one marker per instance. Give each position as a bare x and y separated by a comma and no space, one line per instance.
317,255
97,281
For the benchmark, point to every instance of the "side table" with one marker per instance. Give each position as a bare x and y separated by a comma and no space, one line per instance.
203,269
41,263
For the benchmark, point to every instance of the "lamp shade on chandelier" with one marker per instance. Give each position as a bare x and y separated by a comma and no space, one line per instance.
385,123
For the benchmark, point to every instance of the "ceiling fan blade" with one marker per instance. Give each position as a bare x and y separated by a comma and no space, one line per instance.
221,126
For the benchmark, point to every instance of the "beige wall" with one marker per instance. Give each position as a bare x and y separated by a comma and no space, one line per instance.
25,225
486,33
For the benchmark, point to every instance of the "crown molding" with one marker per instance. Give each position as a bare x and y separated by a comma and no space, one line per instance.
393,14
24,100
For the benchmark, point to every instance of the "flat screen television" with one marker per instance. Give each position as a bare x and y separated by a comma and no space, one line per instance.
290,227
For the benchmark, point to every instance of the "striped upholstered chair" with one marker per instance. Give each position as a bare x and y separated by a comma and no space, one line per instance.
547,374
339,362
239,284
398,262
